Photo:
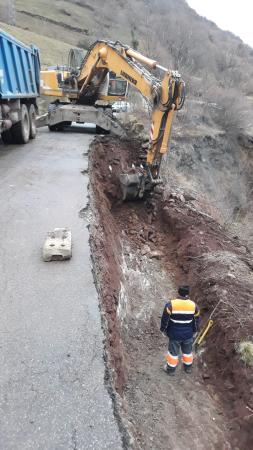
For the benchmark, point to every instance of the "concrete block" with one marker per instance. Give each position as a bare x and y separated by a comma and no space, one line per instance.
57,246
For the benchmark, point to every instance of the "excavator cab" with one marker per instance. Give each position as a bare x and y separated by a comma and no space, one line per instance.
117,87
60,81
112,89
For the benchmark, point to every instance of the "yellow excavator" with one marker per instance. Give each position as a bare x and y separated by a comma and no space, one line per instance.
86,88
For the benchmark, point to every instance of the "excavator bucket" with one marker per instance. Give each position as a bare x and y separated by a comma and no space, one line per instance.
132,185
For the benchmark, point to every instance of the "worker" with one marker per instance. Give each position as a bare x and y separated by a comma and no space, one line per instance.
180,320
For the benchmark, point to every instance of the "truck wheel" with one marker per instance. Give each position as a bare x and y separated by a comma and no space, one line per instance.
52,127
21,130
32,119
100,130
7,137
62,125
59,126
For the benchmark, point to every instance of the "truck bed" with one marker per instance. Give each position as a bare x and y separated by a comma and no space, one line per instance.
19,69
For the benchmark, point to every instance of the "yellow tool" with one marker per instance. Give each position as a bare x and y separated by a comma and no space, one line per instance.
202,334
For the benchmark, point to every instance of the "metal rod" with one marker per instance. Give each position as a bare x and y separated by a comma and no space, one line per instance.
141,58
161,68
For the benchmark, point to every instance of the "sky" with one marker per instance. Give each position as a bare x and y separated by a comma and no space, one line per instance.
231,15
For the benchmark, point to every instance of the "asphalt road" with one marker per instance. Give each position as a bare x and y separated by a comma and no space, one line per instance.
52,393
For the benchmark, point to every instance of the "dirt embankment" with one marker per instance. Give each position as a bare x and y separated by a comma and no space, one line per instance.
141,251
205,160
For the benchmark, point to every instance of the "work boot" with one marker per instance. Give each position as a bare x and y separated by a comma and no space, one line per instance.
187,369
169,370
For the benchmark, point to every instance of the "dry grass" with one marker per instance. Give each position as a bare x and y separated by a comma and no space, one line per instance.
245,350
99,23
62,11
51,50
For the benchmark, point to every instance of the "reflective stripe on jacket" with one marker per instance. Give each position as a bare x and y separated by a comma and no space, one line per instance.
180,319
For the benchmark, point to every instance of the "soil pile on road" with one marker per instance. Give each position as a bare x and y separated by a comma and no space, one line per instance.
141,251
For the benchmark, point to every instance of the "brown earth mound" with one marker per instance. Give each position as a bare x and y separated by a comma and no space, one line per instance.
170,232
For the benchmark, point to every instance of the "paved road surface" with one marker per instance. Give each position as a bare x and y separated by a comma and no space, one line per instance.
52,393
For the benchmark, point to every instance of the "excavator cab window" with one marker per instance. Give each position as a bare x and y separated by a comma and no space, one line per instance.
117,86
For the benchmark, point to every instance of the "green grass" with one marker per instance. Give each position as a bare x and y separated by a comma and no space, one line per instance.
51,51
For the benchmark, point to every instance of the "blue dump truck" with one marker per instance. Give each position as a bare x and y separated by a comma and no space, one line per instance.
19,89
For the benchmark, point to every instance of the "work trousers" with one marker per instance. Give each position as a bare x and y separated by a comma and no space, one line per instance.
174,351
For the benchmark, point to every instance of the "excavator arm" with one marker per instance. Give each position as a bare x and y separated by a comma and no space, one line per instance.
166,95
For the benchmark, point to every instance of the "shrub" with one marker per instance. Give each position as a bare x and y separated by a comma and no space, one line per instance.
245,350
84,43
230,113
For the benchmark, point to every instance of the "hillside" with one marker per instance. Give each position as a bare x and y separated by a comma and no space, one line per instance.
168,30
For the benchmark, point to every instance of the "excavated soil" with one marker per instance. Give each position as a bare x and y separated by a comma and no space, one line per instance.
141,251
